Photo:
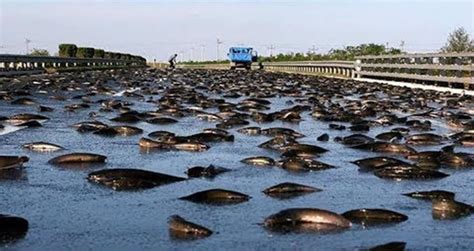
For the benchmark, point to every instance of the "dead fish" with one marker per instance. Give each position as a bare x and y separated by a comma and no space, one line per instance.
217,197
337,127
10,162
127,130
297,164
391,246
191,146
45,109
379,162
78,158
106,131
372,217
231,123
449,209
216,131
355,140
12,228
180,228
408,172
209,117
425,155
149,143
30,124
129,117
289,190
251,131
23,101
161,120
131,179
259,161
306,220
424,139
390,136
89,126
209,137
276,131
311,150
161,135
42,147
278,143
386,147
209,172
456,160
431,195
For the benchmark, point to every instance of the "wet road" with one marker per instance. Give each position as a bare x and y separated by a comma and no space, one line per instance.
65,211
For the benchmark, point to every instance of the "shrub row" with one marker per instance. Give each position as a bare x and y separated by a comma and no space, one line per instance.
71,50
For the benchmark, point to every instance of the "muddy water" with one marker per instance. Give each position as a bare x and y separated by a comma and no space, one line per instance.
66,212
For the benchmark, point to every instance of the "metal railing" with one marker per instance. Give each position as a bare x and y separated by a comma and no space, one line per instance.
338,68
448,69
21,64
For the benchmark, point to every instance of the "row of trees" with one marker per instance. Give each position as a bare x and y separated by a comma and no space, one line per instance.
71,50
346,53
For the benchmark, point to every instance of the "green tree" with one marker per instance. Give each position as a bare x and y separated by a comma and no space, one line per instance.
458,41
39,52
85,52
67,50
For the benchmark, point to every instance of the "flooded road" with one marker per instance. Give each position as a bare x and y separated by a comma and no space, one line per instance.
65,211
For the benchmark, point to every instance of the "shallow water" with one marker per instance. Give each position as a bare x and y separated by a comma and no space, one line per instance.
66,212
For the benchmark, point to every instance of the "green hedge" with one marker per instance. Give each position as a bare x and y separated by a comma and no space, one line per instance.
67,50
85,52
99,53
71,50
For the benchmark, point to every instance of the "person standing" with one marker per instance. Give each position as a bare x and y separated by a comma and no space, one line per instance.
172,61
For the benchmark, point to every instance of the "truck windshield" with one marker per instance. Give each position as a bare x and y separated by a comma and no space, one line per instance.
240,50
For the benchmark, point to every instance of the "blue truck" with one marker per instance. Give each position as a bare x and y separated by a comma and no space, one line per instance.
242,57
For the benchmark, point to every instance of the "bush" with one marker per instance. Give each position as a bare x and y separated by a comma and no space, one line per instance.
114,55
127,56
85,52
99,53
459,41
108,54
67,50
39,52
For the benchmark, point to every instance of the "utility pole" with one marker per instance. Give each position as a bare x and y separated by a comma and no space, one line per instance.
27,43
219,42
192,54
202,52
271,48
402,45
313,52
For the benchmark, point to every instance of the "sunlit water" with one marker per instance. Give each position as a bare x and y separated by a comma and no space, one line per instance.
66,212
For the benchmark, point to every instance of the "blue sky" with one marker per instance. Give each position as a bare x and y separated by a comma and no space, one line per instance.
156,29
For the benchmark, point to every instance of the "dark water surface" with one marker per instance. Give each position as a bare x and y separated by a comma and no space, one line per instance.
66,212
